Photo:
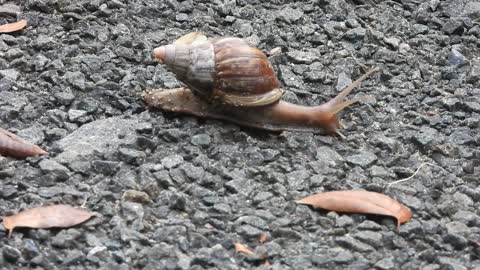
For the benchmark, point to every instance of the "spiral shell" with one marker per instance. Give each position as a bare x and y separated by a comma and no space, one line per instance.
226,70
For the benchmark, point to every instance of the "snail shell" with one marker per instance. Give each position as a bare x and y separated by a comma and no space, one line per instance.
224,70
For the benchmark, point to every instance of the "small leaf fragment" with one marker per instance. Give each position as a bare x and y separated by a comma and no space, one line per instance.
62,216
359,201
241,248
14,146
12,27
262,238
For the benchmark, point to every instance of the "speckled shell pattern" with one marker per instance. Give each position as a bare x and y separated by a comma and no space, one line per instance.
223,67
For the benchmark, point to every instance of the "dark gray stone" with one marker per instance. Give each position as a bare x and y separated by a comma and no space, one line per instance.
385,264
203,140
101,136
302,57
456,58
362,159
76,79
56,169
11,254
453,27
172,161
351,243
290,15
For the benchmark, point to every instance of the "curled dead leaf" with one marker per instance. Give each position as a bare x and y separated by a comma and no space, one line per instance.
359,201
14,146
241,248
62,216
12,27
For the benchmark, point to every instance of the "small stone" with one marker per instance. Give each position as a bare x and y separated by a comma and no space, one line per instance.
451,263
453,27
9,10
203,140
88,104
343,80
97,251
471,9
420,29
51,166
172,161
362,159
40,62
230,19
289,78
356,34
351,243
136,196
369,237
10,74
10,253
290,15
182,17
132,210
343,256
14,53
131,156
262,197
457,227
344,221
426,135
76,79
76,115
385,264
369,225
473,106
455,58
65,97
194,173
393,42
461,136
302,57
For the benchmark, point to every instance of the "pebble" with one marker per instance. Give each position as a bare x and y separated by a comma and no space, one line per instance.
10,253
202,140
136,196
456,58
172,161
290,15
362,159
350,243
453,27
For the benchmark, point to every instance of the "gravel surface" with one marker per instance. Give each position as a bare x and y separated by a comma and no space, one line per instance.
176,192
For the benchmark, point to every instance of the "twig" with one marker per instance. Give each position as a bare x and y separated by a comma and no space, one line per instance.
84,204
413,175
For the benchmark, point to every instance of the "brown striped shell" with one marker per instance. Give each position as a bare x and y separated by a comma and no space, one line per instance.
226,70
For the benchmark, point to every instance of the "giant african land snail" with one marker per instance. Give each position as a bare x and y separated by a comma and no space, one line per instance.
235,82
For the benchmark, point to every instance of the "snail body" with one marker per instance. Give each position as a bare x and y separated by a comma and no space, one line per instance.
227,79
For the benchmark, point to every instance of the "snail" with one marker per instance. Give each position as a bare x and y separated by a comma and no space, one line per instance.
229,80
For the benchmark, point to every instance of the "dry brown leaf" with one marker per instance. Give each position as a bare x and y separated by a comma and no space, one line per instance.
241,248
62,216
14,146
359,201
262,238
12,27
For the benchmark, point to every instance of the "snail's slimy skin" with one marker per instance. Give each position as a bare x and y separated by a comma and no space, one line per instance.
281,116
